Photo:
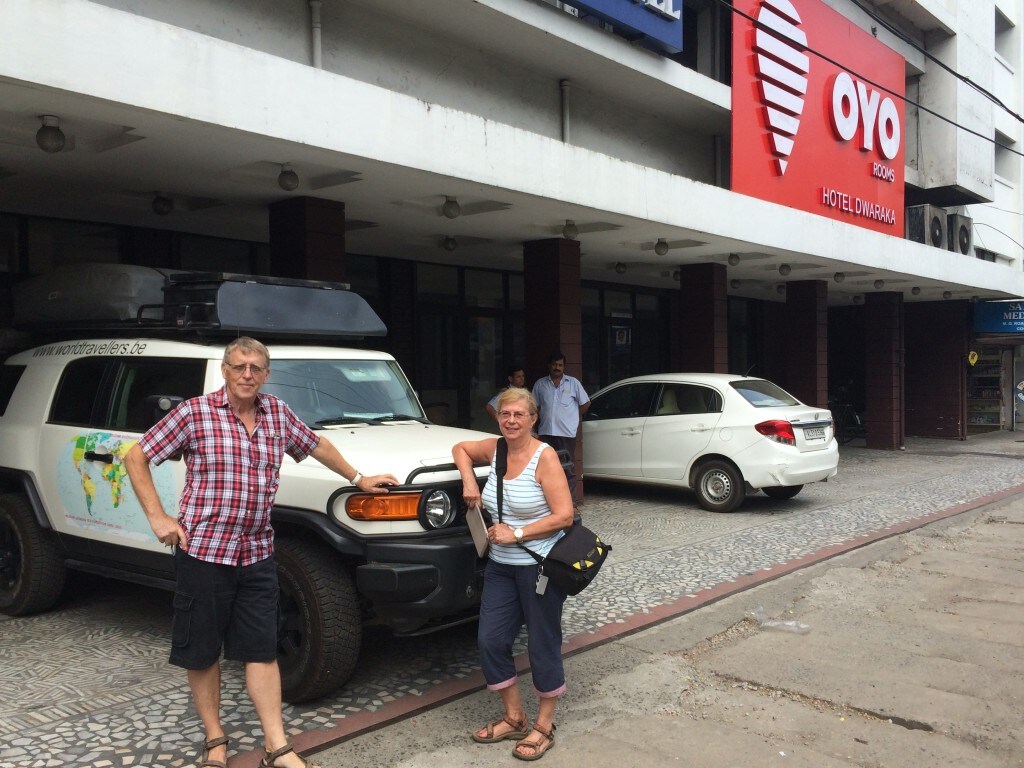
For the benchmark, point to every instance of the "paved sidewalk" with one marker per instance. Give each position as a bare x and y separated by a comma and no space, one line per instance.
915,657
88,685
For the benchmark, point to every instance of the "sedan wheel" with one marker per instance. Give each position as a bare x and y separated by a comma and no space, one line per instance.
718,486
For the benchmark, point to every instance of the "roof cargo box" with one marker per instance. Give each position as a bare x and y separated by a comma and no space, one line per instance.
81,294
132,300
268,305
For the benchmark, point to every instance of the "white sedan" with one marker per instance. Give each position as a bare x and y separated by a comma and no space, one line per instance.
720,434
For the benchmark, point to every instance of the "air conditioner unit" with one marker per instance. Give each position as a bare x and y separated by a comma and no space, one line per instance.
960,235
926,224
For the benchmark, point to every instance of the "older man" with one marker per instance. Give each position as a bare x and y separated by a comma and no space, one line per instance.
226,596
562,402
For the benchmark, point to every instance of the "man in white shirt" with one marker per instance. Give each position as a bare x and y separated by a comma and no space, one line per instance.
562,402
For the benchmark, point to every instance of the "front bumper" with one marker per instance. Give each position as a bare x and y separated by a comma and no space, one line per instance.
413,582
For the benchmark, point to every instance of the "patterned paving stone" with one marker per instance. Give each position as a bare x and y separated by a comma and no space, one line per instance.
88,685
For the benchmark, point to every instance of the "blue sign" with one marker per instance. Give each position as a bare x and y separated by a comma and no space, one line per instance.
658,22
999,317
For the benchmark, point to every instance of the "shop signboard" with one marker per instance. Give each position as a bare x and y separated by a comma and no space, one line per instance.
817,113
656,23
999,317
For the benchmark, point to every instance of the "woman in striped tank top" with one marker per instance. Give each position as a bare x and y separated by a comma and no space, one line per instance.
536,507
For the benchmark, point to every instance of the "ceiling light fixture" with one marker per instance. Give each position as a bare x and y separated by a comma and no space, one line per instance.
784,269
451,209
879,284
780,288
915,290
947,294
570,231
661,247
449,243
287,179
839,277
162,205
677,275
620,268
734,284
857,299
49,137
734,259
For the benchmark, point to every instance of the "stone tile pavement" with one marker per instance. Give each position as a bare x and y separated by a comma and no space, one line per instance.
88,685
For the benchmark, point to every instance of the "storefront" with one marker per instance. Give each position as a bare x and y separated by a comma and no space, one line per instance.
995,383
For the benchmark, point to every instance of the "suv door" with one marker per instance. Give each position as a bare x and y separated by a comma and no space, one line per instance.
101,408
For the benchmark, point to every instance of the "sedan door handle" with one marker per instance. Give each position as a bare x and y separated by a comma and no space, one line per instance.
631,432
106,458
700,428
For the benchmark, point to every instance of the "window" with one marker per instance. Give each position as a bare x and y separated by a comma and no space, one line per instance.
9,375
763,394
677,399
140,381
78,391
629,401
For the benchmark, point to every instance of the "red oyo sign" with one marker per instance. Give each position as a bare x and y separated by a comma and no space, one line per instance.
807,133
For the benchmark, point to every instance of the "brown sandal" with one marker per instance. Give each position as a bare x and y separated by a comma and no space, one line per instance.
547,739
519,731
205,761
270,758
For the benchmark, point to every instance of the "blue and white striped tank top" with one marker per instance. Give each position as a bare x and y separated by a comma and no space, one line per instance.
523,503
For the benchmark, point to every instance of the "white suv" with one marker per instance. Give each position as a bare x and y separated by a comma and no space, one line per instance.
69,410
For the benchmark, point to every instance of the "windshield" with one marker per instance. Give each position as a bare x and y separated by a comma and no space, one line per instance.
325,392
763,394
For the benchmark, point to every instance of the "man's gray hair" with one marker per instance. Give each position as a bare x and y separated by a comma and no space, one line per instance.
246,344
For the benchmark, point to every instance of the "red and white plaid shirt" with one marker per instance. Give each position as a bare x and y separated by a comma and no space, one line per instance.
231,477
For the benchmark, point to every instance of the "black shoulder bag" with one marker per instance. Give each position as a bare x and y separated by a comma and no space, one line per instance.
576,557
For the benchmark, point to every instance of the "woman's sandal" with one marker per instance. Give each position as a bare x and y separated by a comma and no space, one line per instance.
270,758
547,739
519,731
205,761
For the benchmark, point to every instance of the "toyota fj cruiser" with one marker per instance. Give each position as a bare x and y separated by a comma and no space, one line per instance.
71,408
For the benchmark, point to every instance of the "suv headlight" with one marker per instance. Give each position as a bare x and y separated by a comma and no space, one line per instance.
436,510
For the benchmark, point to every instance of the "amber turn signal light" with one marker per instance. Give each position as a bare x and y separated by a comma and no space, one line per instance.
385,506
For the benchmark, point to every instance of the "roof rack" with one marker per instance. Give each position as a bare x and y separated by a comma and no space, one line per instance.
132,300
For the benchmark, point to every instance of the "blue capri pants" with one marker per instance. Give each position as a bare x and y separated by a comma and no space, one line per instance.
509,600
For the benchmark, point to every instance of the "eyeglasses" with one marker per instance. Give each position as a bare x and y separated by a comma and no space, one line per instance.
513,415
256,370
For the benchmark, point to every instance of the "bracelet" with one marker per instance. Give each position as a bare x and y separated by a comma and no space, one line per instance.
355,477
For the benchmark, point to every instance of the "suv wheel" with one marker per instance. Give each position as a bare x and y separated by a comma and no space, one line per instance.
718,486
31,565
320,624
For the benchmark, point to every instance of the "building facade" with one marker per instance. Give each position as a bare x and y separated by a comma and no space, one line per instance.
821,193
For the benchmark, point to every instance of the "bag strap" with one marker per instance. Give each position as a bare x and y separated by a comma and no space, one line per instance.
500,467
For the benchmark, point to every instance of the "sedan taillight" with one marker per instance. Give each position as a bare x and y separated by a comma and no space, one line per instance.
777,430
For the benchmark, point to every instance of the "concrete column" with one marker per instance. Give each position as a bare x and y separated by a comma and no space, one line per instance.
554,320
703,318
307,239
806,338
884,389
938,335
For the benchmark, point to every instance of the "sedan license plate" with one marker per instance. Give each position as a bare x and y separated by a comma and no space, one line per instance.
814,433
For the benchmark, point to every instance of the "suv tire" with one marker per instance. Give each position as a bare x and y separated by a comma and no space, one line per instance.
320,628
31,563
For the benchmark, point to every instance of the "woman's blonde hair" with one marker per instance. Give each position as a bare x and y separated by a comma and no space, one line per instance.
512,394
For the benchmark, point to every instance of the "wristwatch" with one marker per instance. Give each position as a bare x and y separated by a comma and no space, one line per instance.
518,533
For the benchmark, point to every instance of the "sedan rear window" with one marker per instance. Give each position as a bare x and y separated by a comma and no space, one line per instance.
763,394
